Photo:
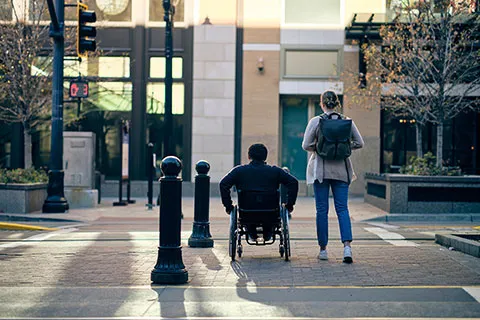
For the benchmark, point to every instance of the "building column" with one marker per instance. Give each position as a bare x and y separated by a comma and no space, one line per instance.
137,150
214,86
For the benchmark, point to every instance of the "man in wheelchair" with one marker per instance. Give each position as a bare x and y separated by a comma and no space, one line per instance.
259,177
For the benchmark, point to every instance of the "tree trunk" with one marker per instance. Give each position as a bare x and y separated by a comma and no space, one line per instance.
419,129
27,145
440,144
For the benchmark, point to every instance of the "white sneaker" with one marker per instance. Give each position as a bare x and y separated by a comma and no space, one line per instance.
323,255
347,255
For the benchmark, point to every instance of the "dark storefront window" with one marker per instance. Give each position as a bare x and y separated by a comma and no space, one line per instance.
156,11
5,145
459,139
156,109
109,102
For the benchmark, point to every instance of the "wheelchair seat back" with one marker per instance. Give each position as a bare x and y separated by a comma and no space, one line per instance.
257,207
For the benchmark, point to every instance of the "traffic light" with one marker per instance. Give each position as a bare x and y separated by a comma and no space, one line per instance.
85,34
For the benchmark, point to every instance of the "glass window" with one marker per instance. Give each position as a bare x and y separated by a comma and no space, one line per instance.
111,96
156,98
109,67
111,10
156,11
157,67
312,11
114,67
43,66
5,10
72,68
311,63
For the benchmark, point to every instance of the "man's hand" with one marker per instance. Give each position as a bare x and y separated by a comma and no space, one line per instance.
229,209
289,208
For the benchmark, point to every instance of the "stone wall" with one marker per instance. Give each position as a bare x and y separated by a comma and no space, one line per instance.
22,198
213,98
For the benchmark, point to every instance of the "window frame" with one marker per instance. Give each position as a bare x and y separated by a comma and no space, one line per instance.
285,24
283,61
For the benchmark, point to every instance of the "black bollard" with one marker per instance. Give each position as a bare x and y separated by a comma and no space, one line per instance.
170,268
283,192
120,201
150,174
201,237
128,192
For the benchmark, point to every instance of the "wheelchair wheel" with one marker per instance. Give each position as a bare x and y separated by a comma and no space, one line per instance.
285,233
232,241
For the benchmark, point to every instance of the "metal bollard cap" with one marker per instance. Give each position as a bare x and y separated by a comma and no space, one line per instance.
202,167
171,166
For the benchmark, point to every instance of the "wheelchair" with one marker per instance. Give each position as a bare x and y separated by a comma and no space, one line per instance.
258,210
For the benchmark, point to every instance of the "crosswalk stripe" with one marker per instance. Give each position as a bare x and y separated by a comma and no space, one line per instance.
38,237
474,292
392,237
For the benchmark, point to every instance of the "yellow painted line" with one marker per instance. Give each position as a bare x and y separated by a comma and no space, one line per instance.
18,226
477,227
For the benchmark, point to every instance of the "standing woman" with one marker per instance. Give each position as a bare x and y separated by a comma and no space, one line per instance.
335,174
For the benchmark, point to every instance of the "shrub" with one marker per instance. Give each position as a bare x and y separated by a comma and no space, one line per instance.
30,175
426,166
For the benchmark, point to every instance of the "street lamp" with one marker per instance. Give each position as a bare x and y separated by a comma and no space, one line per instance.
169,13
56,202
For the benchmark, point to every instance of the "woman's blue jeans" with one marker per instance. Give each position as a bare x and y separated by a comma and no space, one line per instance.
340,197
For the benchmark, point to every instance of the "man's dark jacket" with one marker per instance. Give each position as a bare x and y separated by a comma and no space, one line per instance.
258,176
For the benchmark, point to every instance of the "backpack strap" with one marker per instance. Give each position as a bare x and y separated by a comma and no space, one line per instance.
322,116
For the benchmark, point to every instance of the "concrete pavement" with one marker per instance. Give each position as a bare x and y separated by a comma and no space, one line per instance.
101,268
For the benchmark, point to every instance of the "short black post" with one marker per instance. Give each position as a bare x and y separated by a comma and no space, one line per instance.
128,192
283,192
170,268
98,185
129,128
201,237
120,179
150,173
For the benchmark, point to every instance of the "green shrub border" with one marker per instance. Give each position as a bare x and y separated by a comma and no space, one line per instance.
426,166
30,175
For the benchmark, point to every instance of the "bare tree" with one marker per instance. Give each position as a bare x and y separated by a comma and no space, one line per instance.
26,65
428,64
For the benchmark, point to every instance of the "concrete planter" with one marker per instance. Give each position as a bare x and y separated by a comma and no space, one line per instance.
399,193
22,198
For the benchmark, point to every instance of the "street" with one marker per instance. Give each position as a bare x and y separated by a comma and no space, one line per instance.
100,268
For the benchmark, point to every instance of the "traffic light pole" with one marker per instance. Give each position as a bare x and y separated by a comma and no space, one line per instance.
168,147
56,202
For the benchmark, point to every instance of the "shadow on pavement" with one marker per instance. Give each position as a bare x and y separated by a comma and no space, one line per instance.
94,282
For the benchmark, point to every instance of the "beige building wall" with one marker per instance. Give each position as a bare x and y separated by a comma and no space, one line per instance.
261,111
366,114
214,86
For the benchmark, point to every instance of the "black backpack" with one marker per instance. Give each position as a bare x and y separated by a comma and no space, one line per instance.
334,137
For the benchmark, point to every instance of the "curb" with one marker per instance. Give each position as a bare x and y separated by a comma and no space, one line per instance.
18,226
464,245
12,217
405,217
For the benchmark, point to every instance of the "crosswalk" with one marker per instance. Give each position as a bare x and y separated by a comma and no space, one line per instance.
391,237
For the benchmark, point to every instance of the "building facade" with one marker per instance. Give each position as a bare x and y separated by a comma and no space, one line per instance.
245,71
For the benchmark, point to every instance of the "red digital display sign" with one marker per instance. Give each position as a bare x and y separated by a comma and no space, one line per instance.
78,89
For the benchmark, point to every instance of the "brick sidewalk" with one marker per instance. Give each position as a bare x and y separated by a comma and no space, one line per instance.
97,259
